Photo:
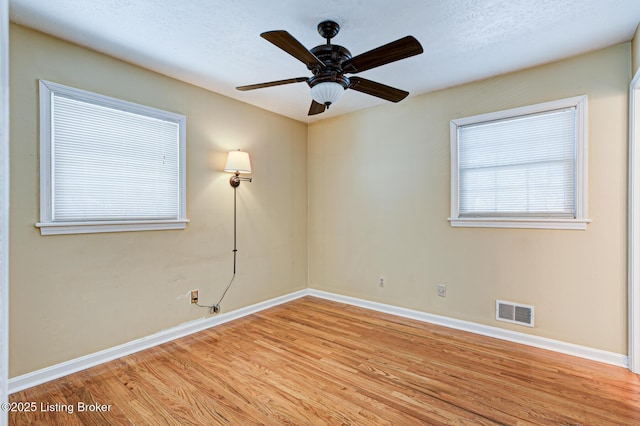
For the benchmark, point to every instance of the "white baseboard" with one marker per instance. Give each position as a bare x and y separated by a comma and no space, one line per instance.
44,375
53,372
612,358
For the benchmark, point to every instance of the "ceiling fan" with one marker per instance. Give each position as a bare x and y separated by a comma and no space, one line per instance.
330,62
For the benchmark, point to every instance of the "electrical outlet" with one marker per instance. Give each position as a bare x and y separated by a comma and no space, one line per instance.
442,290
194,296
381,282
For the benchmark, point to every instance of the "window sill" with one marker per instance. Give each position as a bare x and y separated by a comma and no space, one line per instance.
59,228
534,223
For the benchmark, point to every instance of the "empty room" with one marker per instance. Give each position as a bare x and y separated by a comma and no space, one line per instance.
306,213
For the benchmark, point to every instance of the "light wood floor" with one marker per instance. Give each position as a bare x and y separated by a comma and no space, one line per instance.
315,362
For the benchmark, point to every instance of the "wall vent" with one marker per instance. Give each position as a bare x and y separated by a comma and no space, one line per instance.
514,313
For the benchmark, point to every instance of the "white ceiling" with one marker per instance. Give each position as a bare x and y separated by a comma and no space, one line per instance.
216,44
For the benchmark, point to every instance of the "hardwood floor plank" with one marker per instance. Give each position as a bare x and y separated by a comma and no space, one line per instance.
348,370
318,362
449,366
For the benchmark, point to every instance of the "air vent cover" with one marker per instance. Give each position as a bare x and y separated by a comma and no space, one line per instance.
514,313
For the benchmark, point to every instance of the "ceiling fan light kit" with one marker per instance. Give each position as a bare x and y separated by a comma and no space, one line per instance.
327,92
330,62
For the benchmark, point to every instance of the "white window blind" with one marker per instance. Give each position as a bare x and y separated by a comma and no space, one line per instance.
521,168
108,165
112,164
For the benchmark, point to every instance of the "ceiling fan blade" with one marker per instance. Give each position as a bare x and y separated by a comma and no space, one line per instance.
272,83
377,89
316,108
293,47
400,49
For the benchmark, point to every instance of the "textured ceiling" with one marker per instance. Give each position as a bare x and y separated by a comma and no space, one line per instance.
216,44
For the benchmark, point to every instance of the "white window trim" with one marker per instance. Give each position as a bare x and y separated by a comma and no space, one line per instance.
579,222
50,227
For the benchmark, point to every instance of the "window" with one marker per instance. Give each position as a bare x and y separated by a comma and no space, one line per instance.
108,165
521,168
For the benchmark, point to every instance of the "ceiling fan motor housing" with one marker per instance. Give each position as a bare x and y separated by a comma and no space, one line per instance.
332,56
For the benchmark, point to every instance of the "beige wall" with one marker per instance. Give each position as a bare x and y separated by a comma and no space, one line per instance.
379,199
77,294
377,187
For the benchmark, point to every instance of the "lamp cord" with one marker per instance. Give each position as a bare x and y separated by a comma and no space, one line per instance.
235,249
214,309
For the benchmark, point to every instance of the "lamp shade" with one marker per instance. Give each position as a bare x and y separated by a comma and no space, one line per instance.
327,92
238,162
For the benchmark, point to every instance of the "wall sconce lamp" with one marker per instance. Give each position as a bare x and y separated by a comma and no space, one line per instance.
238,163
